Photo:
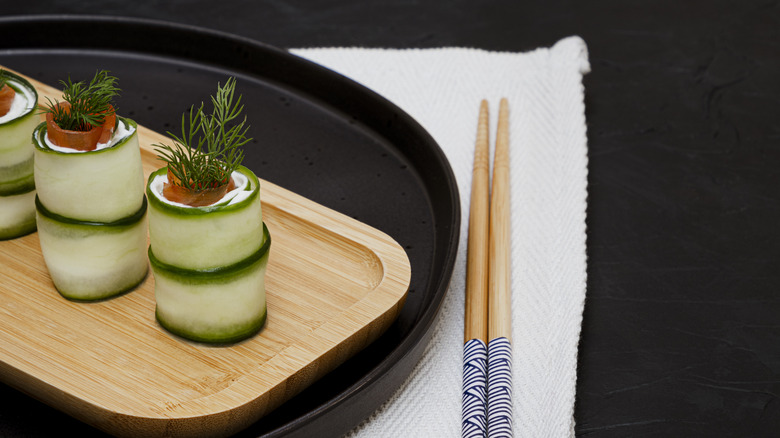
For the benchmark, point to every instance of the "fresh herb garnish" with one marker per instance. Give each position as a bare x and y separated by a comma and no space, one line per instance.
208,150
89,104
3,77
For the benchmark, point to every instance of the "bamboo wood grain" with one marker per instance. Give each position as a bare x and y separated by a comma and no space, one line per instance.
499,286
333,285
476,314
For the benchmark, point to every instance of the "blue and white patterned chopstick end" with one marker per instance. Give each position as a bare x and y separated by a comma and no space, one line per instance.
499,388
474,389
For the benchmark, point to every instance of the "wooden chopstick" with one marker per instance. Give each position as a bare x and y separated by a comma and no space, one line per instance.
474,410
487,370
476,321
499,288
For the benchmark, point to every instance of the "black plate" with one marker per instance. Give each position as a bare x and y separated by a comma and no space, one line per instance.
317,134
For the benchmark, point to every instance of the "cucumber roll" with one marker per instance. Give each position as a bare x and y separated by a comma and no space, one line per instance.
90,206
102,185
209,247
18,119
207,237
16,218
218,305
93,260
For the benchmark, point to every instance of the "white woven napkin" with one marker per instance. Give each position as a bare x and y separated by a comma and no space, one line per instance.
441,89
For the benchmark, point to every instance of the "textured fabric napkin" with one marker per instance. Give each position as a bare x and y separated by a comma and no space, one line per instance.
442,89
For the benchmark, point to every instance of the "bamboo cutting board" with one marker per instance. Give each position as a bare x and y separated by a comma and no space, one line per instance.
333,285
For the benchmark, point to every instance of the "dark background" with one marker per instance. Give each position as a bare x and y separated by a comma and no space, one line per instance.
681,333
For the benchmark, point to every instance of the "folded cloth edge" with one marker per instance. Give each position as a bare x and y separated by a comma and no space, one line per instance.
571,51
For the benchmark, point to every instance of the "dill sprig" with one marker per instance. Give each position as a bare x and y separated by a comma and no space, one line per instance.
89,104
208,150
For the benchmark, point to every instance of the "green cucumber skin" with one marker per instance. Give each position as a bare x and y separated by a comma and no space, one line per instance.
16,149
80,297
205,237
210,210
22,229
15,135
14,172
17,215
97,186
74,224
212,275
18,186
13,156
21,123
26,84
228,335
217,312
223,305
90,262
16,167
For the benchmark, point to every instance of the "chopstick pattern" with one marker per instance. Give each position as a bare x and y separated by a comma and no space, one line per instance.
474,389
499,388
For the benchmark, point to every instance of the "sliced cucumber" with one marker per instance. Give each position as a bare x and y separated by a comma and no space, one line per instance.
205,237
16,150
17,215
16,154
23,184
13,157
104,185
16,126
16,172
91,260
218,305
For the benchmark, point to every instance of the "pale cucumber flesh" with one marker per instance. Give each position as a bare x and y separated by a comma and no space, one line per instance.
18,134
16,171
221,311
16,127
18,186
16,164
101,186
17,215
16,155
221,306
91,261
222,237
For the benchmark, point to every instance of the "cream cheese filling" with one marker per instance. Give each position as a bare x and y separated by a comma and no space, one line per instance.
232,197
23,101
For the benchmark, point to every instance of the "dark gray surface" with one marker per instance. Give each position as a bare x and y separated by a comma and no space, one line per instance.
681,334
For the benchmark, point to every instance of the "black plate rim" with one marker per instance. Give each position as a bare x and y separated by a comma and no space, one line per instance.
396,367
